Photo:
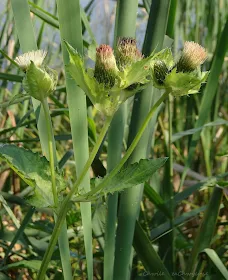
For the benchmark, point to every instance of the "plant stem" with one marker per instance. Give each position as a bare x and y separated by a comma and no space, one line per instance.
51,150
130,149
62,238
129,203
70,27
206,231
125,26
63,209
171,236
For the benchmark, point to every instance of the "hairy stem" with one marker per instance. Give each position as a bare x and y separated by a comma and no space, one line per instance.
51,150
130,149
63,209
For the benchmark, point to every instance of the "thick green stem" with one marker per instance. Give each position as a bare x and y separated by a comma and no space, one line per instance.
130,149
129,205
63,239
51,150
63,209
125,25
65,204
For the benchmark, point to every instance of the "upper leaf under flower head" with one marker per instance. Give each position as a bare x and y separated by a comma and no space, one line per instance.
25,59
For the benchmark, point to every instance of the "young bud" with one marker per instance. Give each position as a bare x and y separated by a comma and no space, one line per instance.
39,82
160,71
25,59
193,55
105,68
127,52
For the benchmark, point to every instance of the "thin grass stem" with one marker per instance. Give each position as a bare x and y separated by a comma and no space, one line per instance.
51,150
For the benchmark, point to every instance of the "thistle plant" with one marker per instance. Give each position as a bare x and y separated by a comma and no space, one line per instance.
120,71
115,78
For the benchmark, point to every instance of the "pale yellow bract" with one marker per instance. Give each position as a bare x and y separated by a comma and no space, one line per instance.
25,59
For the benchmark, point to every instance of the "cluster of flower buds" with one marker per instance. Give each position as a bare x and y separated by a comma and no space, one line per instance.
117,75
192,56
39,80
184,76
127,52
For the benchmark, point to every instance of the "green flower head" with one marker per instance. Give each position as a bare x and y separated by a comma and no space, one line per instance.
109,84
105,68
127,52
39,80
184,77
118,77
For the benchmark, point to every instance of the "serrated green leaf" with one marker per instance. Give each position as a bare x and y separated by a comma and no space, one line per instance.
184,83
35,171
138,72
165,55
134,174
77,70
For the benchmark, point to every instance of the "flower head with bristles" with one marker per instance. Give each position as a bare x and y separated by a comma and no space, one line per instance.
160,71
181,78
24,60
193,55
127,52
105,68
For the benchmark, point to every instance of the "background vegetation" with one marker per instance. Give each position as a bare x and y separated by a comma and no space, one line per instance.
183,210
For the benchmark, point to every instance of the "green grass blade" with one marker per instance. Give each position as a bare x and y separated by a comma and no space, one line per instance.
152,263
44,16
9,211
130,199
171,21
28,42
125,26
209,93
212,255
156,199
11,77
69,18
207,228
166,227
20,231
